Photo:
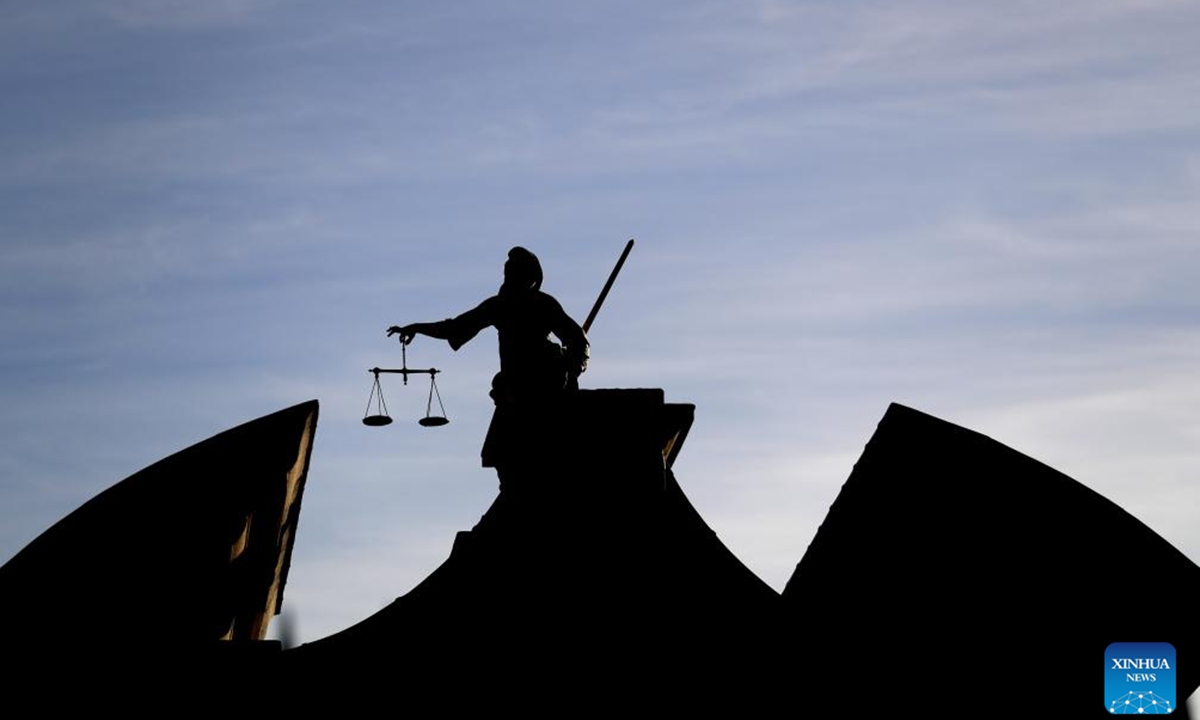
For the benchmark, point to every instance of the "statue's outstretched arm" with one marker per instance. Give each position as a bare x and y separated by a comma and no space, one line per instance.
457,331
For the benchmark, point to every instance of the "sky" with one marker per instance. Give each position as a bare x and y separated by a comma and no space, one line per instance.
987,211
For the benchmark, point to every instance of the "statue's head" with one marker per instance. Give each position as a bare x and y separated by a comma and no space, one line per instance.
522,271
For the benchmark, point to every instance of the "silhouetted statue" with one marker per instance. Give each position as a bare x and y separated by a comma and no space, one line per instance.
532,367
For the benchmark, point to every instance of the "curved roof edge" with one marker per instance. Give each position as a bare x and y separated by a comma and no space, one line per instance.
195,547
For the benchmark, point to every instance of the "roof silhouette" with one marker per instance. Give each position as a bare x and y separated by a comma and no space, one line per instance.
950,569
190,550
590,560
949,551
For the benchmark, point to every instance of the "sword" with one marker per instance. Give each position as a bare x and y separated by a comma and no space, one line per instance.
607,286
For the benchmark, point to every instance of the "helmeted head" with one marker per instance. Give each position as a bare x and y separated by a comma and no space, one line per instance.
522,271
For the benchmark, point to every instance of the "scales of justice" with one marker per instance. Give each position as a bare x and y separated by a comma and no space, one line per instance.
376,414
380,416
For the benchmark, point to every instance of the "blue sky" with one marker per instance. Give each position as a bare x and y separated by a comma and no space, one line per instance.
987,211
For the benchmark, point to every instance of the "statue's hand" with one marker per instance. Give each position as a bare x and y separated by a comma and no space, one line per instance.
406,333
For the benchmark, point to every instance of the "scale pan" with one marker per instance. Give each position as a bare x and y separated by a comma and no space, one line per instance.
433,421
377,420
